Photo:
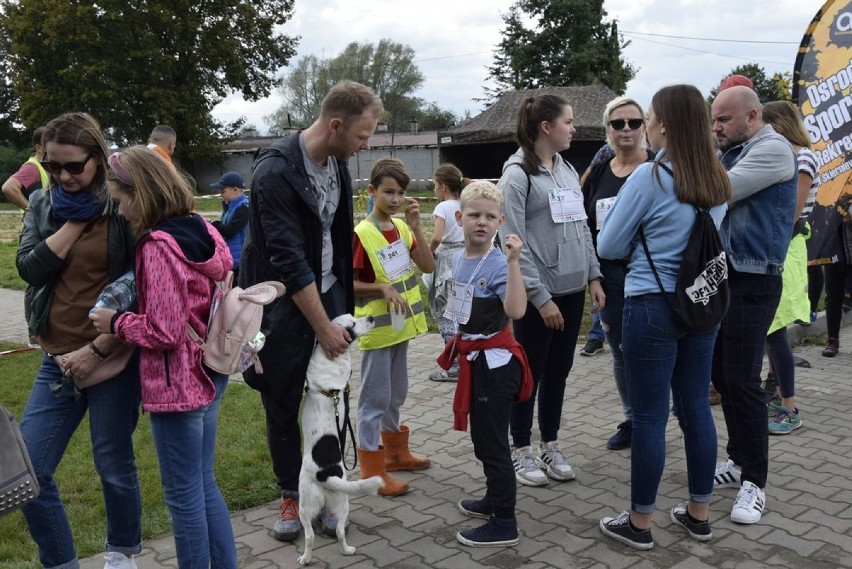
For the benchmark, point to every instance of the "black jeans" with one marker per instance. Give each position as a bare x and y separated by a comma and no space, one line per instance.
737,361
492,398
551,356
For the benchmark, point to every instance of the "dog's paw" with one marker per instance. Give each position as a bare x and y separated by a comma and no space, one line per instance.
373,484
304,559
347,549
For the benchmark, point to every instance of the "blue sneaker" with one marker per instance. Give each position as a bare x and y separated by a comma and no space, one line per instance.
476,508
497,532
288,526
786,421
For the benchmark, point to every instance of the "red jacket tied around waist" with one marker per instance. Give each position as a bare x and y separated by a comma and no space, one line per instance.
503,339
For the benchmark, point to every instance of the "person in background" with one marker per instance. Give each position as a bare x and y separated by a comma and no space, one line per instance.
300,233
233,225
794,305
29,177
180,257
447,239
662,362
543,202
385,252
163,140
594,337
756,232
624,121
72,245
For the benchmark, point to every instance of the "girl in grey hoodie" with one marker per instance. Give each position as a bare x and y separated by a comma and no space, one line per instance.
543,204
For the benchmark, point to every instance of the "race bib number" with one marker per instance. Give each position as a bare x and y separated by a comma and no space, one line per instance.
566,204
459,303
395,260
602,208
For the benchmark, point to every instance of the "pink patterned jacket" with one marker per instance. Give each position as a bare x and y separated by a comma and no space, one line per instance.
177,265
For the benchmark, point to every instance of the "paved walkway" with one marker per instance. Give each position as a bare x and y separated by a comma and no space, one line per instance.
808,522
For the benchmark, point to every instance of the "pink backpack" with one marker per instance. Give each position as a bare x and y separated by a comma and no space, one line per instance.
233,330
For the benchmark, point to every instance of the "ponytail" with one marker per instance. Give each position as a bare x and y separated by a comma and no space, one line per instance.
533,111
449,175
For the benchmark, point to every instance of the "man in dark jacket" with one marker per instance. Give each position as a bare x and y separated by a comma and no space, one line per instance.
300,233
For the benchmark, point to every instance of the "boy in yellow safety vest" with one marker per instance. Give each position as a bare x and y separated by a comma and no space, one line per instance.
387,289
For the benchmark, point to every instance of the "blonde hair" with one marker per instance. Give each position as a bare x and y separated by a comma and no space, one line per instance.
617,103
787,122
481,189
349,100
159,189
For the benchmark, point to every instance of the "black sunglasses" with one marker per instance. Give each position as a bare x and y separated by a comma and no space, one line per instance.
73,168
618,124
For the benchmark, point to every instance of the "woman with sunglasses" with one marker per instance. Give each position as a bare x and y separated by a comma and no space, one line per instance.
543,202
659,199
624,121
73,244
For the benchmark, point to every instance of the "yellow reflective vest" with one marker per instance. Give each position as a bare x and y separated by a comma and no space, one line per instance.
45,179
408,286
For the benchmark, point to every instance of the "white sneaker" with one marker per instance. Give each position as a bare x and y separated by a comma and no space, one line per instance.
116,560
553,462
527,471
727,475
748,507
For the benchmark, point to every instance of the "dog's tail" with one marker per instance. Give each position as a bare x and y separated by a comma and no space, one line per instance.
355,487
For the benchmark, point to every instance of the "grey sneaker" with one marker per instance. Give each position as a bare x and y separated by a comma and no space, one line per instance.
551,459
116,560
328,522
444,375
287,526
527,471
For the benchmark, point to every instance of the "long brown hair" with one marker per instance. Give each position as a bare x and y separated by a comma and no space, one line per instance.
532,112
699,176
449,175
787,122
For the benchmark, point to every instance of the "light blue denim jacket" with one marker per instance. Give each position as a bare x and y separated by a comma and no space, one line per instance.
759,224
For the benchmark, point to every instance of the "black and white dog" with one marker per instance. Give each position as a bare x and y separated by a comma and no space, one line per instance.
322,480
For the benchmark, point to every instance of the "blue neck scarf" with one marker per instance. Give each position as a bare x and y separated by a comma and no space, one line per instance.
77,206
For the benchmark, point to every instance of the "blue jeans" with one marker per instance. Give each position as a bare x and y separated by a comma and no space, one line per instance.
551,355
596,331
47,424
185,443
611,320
660,359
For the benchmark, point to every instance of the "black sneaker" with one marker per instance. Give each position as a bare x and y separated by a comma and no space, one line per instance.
619,529
769,386
591,348
498,532
622,438
699,530
476,508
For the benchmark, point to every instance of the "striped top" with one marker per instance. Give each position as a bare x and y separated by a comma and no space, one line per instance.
808,165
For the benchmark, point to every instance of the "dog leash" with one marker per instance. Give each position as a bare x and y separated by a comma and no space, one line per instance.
346,427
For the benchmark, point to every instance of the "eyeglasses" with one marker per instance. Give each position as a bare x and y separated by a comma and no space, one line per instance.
634,124
73,168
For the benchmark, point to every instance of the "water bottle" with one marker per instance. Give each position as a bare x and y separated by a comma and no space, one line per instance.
119,294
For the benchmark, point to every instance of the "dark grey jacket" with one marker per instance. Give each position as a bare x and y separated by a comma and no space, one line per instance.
41,267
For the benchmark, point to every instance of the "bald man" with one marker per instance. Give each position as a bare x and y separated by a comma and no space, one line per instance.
756,232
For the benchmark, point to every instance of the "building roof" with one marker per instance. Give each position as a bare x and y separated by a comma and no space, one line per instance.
497,122
425,139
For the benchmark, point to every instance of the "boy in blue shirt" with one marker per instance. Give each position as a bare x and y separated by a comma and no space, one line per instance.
488,290
233,224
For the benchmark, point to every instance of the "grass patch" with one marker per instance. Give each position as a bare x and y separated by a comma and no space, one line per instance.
814,340
243,468
9,277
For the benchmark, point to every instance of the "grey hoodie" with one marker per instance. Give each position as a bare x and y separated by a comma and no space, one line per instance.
557,258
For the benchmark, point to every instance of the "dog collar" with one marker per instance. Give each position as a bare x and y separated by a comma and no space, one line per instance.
332,393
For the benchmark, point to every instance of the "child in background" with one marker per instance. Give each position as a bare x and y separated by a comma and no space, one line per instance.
233,225
179,258
487,291
385,282
446,241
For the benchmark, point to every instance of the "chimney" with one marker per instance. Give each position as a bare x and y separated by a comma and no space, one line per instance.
413,123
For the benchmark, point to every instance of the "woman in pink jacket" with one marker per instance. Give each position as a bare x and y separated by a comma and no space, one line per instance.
178,260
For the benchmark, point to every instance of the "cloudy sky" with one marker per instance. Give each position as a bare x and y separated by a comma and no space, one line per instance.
454,41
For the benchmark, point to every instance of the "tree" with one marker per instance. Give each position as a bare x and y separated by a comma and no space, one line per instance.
137,64
569,43
387,67
432,117
775,88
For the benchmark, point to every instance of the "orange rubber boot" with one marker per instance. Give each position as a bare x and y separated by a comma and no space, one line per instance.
397,455
373,464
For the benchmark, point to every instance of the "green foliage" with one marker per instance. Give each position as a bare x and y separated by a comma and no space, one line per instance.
775,88
150,62
387,67
569,43
243,468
